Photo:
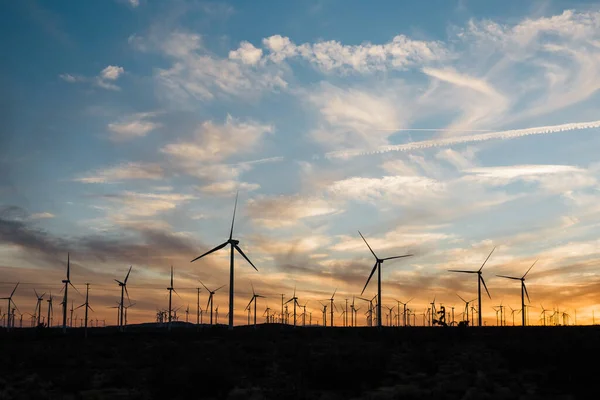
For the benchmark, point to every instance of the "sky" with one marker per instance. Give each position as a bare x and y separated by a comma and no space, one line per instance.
441,129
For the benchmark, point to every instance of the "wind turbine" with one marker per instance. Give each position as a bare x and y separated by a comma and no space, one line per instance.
253,299
512,313
332,306
171,289
404,310
479,282
324,314
294,299
543,313
377,266
234,245
87,306
38,306
10,301
50,311
466,307
67,282
211,293
123,286
523,290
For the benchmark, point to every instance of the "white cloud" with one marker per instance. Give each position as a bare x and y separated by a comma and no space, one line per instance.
133,126
71,78
112,72
125,171
284,211
228,187
400,53
134,204
247,53
134,3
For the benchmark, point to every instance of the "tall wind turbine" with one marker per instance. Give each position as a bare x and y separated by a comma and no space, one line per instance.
67,282
523,290
123,286
332,306
234,245
87,306
377,266
10,301
171,289
211,293
50,312
294,299
479,282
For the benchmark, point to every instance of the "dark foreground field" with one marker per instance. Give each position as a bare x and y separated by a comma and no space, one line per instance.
277,362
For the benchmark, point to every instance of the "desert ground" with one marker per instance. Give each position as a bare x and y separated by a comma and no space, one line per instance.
282,362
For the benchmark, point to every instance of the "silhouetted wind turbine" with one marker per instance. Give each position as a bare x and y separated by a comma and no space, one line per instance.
253,299
87,306
123,286
479,282
171,289
10,301
67,282
466,307
211,293
404,310
234,245
38,306
523,290
50,311
377,266
294,299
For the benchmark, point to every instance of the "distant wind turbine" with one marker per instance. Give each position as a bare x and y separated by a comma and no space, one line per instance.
234,245
123,286
10,301
479,282
253,299
211,293
523,290
67,282
87,306
377,266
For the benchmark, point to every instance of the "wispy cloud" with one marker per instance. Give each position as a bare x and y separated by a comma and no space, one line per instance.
133,126
125,171
105,79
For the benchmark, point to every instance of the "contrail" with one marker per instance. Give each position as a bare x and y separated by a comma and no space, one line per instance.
510,134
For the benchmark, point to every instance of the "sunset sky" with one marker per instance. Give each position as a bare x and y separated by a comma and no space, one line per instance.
439,128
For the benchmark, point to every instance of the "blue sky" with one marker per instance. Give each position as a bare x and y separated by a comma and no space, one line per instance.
442,128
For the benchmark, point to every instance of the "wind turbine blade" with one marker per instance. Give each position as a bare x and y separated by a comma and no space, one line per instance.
374,255
484,285
509,277
68,266
253,293
90,307
73,286
411,299
17,308
220,287
391,258
529,269
243,255
288,301
219,247
463,271
171,276
14,290
176,293
126,292
488,257
128,272
525,287
77,308
207,289
209,299
372,272
119,282
333,295
248,306
233,219
461,298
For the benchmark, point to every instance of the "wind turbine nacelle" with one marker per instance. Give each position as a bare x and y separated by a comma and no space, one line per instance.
234,242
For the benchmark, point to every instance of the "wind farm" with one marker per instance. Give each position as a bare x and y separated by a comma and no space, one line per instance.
322,200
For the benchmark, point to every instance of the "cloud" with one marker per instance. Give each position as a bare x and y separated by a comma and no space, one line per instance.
283,211
105,78
133,126
112,72
228,187
43,215
356,117
247,53
125,171
135,204
134,3
400,53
